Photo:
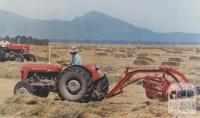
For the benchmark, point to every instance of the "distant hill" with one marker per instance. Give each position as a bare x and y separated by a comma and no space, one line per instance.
92,27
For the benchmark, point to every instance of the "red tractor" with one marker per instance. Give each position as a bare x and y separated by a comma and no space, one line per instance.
74,83
88,82
16,52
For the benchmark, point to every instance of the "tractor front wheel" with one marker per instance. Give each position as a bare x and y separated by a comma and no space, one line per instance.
30,57
19,59
23,87
41,91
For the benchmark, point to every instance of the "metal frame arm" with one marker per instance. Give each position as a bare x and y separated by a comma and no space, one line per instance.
127,75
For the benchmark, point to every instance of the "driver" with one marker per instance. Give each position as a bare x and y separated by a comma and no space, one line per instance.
76,59
4,43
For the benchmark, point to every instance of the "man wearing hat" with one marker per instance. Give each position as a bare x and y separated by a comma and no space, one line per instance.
76,59
4,43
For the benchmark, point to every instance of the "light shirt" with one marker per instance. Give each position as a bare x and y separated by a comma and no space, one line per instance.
4,43
76,59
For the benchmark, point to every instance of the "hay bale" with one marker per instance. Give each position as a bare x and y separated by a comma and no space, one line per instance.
142,55
141,62
170,63
197,50
131,49
175,59
155,54
174,52
194,58
122,50
45,50
102,53
108,50
99,49
129,55
119,55
145,58
197,68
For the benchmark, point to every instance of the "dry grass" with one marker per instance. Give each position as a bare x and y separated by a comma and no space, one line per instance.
10,70
113,60
31,106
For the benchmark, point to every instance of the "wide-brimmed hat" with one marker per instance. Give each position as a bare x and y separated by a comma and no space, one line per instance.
73,49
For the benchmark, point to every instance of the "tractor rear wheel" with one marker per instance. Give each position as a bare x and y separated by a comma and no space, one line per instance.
2,55
23,87
72,86
101,88
86,75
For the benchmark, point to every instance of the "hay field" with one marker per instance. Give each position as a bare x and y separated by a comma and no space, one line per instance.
112,59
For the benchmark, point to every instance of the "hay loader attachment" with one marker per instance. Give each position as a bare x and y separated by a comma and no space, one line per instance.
156,85
88,82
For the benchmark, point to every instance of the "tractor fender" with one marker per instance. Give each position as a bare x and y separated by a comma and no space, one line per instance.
93,70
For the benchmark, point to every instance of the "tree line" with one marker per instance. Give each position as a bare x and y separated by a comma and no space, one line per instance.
26,40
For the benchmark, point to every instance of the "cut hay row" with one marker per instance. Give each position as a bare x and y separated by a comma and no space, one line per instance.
174,52
170,63
119,55
102,53
194,58
175,60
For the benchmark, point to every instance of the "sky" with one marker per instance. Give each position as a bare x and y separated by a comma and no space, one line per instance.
156,15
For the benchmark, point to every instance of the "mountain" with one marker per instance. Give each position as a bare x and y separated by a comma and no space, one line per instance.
92,27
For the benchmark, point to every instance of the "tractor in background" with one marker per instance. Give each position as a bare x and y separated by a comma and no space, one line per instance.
16,52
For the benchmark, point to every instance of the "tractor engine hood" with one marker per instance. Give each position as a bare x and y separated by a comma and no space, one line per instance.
25,69
18,46
41,68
